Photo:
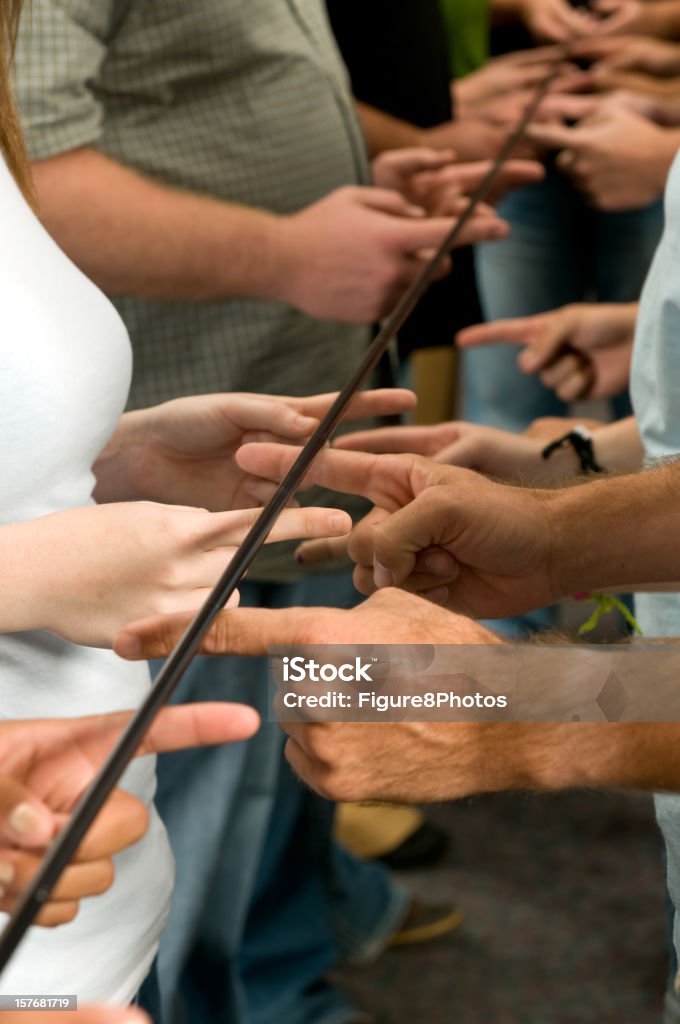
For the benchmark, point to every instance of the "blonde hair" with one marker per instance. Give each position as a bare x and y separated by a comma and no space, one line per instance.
12,142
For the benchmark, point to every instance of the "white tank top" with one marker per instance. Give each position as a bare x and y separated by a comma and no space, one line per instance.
65,366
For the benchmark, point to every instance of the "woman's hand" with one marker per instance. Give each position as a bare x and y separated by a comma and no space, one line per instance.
514,458
182,452
83,573
46,765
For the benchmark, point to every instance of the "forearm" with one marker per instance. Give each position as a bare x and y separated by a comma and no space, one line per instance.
384,132
621,531
621,755
618,446
575,744
136,237
23,582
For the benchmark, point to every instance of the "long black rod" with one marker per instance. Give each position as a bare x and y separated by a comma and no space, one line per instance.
65,845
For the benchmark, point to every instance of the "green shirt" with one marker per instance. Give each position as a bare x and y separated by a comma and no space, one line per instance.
246,100
467,25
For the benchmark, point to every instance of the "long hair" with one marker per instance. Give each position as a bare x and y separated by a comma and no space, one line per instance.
12,142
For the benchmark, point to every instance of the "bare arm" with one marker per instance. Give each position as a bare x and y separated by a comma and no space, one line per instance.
347,257
136,237
470,139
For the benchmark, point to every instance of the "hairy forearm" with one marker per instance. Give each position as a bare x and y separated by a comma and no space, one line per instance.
136,237
589,737
620,531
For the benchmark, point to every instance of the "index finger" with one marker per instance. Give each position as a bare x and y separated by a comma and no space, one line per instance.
247,631
379,402
384,480
516,331
390,440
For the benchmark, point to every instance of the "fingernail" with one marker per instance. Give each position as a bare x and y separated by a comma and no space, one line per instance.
439,595
382,576
7,873
439,564
25,820
528,361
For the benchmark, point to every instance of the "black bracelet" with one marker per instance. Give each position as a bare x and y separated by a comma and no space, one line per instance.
581,440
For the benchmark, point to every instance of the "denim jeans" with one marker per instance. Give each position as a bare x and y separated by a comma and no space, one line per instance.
561,250
263,902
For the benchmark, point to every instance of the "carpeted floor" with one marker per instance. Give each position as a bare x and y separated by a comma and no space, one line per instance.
565,918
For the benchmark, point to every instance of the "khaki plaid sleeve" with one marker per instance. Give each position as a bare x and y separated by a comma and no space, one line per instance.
61,48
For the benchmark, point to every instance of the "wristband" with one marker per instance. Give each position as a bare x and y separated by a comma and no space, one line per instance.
581,440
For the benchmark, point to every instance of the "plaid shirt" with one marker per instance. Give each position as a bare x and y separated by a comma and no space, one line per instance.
245,100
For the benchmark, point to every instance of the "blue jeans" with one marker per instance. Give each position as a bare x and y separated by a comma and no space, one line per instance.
561,250
262,898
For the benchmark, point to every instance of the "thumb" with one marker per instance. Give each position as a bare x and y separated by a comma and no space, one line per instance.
542,351
399,539
319,552
24,821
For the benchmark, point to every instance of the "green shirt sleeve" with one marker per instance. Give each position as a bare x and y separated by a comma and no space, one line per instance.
61,48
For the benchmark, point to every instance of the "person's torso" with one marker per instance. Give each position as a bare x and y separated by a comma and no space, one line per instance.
246,102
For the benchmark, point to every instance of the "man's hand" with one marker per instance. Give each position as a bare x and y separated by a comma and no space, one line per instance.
351,256
478,547
182,452
580,351
409,761
46,765
619,159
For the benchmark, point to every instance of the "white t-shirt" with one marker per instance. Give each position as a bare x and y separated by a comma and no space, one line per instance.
65,366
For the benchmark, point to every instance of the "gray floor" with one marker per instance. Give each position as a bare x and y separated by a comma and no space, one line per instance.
564,903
